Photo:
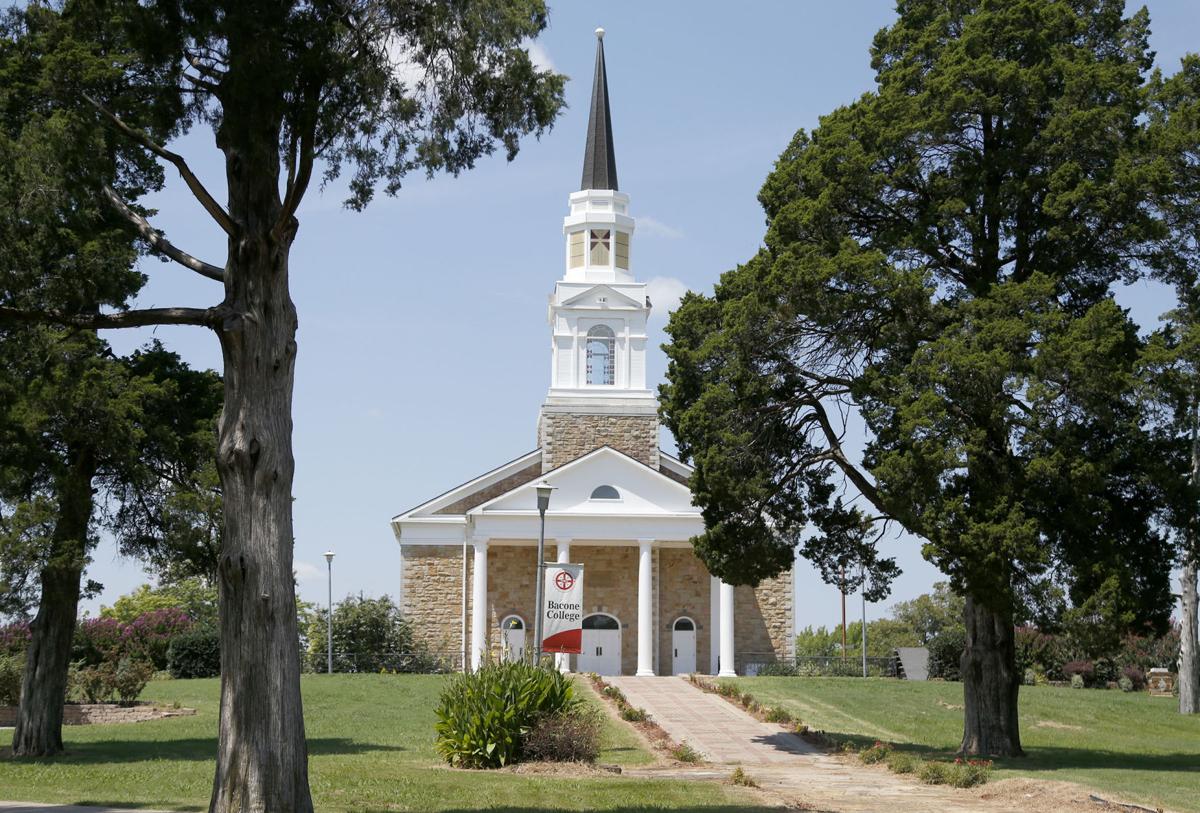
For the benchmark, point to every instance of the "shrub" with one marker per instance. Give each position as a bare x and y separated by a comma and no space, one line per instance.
876,753
130,677
484,716
776,714
12,668
1136,678
93,684
1077,682
634,714
97,641
616,694
740,777
1084,670
968,773
14,638
934,773
148,636
945,653
1125,684
778,669
195,653
902,762
1031,677
685,753
566,736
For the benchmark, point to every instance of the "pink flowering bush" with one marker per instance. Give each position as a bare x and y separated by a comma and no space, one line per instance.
146,638
14,638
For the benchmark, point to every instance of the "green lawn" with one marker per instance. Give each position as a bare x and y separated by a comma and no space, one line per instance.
1131,745
370,740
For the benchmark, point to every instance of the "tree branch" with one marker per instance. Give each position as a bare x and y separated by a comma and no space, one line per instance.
205,317
206,200
856,476
159,243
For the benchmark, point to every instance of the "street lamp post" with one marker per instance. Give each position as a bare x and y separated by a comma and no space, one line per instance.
543,502
329,618
863,575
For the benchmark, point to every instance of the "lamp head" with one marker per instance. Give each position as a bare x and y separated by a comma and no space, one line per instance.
543,496
329,556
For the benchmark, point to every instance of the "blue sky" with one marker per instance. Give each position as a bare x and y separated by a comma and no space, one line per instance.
423,345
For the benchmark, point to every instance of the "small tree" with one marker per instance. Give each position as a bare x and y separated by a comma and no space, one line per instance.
368,635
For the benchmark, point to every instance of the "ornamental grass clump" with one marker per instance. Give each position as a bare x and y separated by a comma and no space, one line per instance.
485,716
566,736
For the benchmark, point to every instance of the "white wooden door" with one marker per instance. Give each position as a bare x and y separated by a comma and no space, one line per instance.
601,645
513,640
683,647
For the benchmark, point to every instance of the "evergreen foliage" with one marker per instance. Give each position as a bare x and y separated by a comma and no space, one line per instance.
939,261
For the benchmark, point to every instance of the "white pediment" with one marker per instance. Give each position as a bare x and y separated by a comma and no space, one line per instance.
641,491
601,297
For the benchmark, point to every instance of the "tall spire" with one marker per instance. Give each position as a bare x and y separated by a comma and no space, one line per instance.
599,160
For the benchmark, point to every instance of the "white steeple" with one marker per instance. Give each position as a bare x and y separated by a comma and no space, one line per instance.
598,311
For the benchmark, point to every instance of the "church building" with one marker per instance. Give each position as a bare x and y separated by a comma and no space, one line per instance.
621,506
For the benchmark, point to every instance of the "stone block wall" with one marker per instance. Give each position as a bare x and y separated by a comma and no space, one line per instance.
763,622
432,594
564,437
610,576
684,590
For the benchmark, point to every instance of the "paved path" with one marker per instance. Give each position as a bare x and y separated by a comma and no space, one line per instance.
715,728
794,772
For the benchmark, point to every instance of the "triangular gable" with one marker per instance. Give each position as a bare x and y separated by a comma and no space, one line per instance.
615,298
462,498
641,489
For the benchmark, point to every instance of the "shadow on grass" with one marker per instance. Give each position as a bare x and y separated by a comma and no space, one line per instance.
200,749
1051,758
127,805
525,809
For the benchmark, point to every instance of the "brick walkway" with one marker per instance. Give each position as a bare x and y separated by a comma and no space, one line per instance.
787,767
715,728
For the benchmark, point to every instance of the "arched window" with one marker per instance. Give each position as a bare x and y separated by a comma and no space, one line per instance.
683,624
601,353
605,493
512,622
601,621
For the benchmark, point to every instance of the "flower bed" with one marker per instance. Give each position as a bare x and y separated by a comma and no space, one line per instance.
104,713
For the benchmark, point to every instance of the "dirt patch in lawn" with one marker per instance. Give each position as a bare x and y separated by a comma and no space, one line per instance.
1057,725
561,769
1047,796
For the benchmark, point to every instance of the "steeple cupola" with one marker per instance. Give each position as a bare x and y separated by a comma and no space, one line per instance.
598,314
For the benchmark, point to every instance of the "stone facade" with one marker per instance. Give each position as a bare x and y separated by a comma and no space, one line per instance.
432,595
565,436
683,590
763,622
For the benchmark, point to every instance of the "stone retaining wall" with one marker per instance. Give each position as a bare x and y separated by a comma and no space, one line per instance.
97,713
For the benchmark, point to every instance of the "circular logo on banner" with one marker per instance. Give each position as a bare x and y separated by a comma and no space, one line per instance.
564,580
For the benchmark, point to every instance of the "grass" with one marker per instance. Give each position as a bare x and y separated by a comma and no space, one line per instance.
619,744
370,740
1130,745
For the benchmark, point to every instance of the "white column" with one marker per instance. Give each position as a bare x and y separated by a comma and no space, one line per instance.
562,660
479,615
714,623
727,662
645,639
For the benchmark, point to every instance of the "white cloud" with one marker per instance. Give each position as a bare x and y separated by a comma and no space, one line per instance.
656,228
539,56
306,572
664,293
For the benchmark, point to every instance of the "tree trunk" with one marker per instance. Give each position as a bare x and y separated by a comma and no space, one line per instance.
38,731
1189,647
262,759
990,684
